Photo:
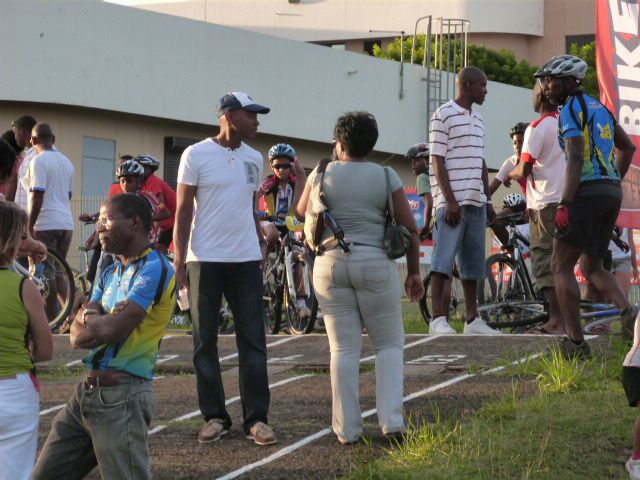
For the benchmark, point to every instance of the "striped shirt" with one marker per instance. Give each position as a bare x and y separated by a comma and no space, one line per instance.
458,135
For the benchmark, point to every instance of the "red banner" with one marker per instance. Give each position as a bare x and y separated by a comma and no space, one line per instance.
618,66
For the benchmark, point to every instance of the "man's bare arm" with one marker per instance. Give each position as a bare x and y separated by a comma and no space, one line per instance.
98,329
522,171
574,149
185,197
37,197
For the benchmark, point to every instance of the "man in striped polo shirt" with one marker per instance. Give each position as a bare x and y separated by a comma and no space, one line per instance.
460,188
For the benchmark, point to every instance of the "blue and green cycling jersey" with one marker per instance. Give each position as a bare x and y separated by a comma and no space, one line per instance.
597,129
149,281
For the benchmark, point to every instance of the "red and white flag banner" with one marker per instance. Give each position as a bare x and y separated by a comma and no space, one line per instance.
618,66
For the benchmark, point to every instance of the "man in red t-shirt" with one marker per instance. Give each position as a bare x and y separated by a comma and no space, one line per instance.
165,194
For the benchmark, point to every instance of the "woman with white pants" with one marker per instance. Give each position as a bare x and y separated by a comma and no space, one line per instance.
25,338
363,287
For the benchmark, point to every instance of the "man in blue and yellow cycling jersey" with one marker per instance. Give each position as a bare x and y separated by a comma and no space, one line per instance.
281,191
592,195
106,421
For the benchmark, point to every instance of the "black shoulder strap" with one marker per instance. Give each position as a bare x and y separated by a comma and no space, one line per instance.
163,278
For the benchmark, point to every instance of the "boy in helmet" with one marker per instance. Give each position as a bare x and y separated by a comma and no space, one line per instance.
282,191
419,157
502,177
591,196
130,175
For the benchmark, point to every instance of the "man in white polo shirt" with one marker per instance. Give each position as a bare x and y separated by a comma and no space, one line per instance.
543,164
460,187
215,218
50,180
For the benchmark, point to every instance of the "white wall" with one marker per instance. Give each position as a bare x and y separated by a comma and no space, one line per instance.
122,59
313,21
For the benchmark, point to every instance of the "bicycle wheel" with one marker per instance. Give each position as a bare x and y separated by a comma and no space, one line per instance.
298,325
456,304
503,281
272,297
225,319
508,315
57,287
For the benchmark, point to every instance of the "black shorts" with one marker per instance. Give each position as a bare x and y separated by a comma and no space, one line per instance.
631,384
591,221
166,237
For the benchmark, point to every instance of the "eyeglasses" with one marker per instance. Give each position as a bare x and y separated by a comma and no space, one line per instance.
106,221
286,166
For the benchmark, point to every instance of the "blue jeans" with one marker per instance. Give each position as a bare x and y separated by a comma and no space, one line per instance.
104,426
241,285
466,241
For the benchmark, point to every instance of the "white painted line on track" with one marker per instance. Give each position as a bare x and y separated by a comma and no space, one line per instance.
273,344
323,433
74,362
408,345
195,413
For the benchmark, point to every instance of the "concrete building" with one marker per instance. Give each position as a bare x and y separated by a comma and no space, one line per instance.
533,29
113,80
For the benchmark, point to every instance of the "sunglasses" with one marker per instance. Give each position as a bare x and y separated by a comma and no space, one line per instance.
286,166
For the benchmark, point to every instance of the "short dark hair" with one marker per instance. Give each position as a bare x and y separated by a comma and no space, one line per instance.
8,159
132,205
10,138
26,122
357,132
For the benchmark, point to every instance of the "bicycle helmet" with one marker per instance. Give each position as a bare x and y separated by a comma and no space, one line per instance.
514,201
147,161
282,150
518,128
418,150
563,66
129,168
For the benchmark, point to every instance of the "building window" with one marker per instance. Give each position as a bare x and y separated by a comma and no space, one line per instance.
98,166
173,148
580,40
368,46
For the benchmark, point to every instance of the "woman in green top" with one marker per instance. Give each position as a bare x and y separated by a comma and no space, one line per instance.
25,338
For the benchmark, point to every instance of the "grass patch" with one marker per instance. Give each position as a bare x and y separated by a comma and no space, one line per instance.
577,425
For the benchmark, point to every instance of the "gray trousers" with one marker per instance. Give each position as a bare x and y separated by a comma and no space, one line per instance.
362,288
104,426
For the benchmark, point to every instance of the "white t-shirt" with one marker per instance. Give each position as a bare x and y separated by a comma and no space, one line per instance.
223,227
22,191
541,148
52,173
508,165
458,135
616,252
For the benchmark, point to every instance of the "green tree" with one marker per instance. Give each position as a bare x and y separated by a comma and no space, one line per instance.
588,54
499,66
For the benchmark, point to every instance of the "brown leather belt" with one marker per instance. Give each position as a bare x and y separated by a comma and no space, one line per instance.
106,380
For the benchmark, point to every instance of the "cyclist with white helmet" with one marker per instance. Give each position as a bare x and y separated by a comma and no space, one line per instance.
130,175
502,177
419,157
543,168
282,191
163,192
591,197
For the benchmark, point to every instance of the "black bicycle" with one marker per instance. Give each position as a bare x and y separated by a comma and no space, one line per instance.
287,270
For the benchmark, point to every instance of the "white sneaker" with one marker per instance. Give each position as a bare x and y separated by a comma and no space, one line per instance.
440,325
479,327
633,467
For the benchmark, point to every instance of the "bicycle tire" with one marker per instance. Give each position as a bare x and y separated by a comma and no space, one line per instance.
296,325
499,284
58,270
226,326
510,315
272,300
455,304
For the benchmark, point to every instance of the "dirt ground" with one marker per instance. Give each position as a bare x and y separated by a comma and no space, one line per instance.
437,371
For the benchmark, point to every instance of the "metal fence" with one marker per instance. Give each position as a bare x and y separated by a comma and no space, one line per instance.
81,232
